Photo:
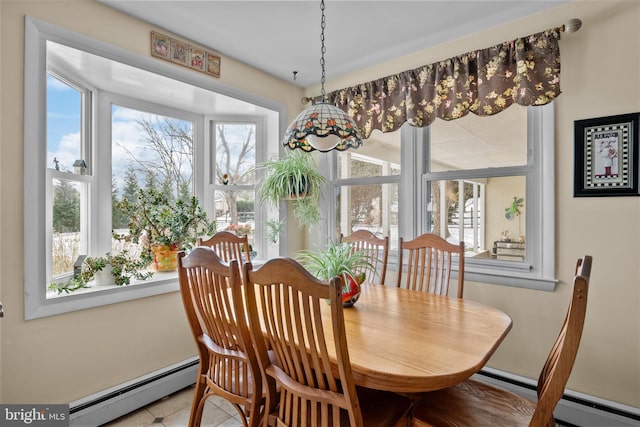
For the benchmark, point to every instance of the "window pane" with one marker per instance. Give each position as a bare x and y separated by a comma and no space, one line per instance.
235,212
480,212
371,207
64,108
474,142
148,151
235,153
352,165
67,237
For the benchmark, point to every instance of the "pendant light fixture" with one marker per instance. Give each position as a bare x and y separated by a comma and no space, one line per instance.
323,126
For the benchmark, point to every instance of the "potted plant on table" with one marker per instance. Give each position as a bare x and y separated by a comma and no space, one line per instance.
164,227
294,177
339,259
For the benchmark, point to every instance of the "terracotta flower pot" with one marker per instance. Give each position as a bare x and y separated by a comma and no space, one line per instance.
165,257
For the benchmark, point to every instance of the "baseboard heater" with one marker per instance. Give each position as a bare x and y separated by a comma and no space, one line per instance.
574,409
110,404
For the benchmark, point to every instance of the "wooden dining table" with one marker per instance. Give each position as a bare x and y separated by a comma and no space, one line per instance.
408,341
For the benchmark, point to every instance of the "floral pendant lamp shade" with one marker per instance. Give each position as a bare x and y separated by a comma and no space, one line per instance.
323,126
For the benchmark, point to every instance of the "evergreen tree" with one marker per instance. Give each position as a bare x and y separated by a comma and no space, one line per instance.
66,207
150,180
131,186
118,217
185,192
167,190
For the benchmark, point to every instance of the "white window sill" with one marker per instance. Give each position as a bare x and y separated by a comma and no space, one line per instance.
96,296
515,280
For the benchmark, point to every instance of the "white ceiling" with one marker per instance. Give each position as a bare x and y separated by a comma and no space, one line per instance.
281,44
280,37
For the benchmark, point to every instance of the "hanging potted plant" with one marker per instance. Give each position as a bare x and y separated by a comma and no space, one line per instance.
339,259
163,227
296,178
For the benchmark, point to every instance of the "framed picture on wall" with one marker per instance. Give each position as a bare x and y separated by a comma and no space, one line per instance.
160,45
606,156
213,64
179,52
196,58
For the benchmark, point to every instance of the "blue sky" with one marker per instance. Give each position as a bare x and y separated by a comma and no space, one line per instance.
63,132
63,124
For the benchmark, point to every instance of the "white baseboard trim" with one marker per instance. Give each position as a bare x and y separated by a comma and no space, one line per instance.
574,408
107,405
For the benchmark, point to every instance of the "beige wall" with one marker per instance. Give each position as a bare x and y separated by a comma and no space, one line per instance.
62,358
499,195
600,77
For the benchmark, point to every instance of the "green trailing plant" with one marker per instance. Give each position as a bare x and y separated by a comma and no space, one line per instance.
155,220
294,177
123,269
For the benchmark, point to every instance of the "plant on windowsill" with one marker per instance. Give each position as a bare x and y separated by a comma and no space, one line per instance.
296,178
240,229
122,267
339,259
163,227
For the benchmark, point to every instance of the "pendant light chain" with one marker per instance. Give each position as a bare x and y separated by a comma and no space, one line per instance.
322,49
323,126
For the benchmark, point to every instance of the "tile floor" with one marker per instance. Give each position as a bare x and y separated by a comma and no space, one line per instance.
173,411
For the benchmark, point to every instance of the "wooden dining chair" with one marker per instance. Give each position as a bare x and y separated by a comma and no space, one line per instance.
474,403
429,264
211,294
228,246
376,247
310,362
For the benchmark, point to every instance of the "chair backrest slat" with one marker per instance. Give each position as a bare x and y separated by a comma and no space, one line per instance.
228,246
557,369
429,264
288,313
376,247
212,296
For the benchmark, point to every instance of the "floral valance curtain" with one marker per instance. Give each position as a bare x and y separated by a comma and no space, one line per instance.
525,71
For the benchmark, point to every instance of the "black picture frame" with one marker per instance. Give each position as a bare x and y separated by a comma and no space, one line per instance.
606,156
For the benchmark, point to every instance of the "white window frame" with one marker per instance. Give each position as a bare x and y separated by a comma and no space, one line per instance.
86,181
106,101
539,269
262,211
37,33
329,166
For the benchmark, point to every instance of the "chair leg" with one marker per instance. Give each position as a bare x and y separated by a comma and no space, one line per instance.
195,416
254,413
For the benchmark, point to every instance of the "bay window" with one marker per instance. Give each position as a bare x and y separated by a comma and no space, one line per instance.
98,127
